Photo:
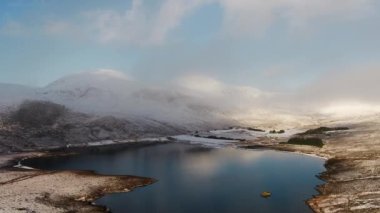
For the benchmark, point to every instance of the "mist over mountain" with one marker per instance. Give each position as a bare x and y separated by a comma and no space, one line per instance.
193,101
12,94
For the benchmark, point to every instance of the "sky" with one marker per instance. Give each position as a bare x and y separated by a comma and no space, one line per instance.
321,46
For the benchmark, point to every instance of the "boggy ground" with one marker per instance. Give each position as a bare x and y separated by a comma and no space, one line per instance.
352,170
57,191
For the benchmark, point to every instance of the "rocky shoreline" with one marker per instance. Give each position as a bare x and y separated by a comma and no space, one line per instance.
32,190
352,173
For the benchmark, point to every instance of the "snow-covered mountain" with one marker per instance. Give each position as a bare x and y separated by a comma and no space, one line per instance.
193,102
108,92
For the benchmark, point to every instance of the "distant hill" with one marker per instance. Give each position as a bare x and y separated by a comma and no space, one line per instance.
43,124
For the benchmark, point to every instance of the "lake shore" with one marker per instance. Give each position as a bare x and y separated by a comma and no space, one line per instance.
32,190
352,169
352,176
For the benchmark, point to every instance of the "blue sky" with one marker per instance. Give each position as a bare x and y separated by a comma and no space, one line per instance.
271,45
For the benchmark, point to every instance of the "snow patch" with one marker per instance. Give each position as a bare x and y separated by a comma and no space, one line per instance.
246,134
217,143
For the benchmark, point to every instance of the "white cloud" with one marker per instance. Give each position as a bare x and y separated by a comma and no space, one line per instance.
109,25
143,25
354,82
350,109
254,17
343,91
200,83
109,73
170,16
138,25
218,94
247,17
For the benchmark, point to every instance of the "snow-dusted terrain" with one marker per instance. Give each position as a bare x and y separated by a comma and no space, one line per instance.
216,143
247,134
232,136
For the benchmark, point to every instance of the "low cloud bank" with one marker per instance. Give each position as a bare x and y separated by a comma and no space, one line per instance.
346,92
197,99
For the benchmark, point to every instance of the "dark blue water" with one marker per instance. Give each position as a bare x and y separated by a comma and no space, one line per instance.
195,179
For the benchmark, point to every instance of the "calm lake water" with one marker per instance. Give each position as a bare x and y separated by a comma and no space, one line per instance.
193,179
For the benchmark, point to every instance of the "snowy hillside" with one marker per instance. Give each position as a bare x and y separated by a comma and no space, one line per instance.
191,102
108,92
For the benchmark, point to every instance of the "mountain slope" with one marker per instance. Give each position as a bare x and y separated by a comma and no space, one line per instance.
192,103
42,124
109,93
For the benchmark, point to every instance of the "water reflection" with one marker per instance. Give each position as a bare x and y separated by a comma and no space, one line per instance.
192,178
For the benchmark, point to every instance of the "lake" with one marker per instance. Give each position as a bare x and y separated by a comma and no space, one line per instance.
192,178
